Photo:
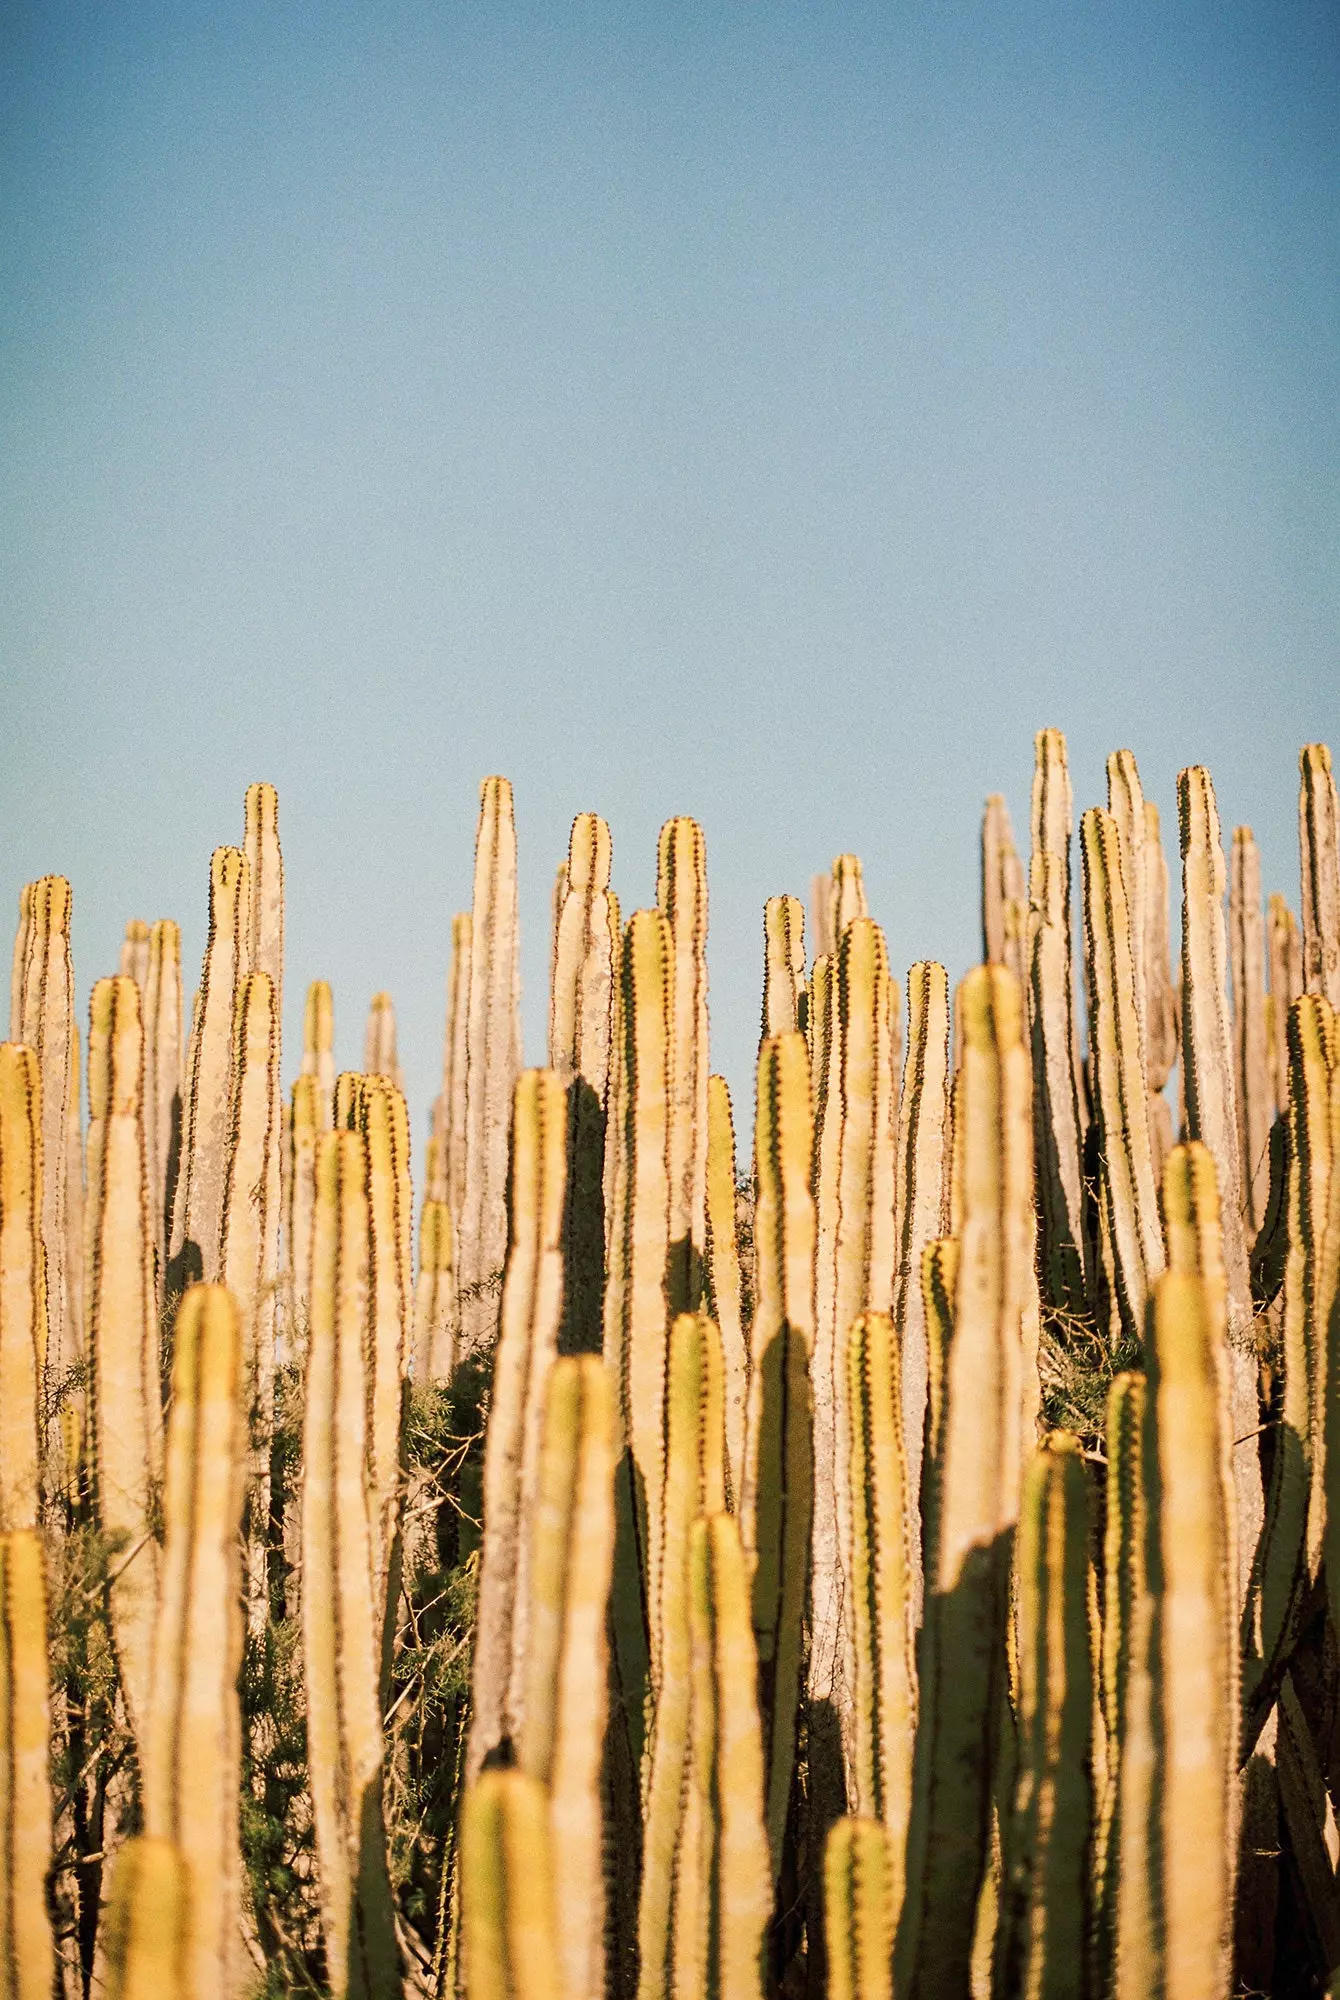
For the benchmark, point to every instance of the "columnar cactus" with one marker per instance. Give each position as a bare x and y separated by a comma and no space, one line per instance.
1043,1935
492,1064
27,1959
265,871
939,1283
19,963
1319,850
694,1484
380,1057
532,1303
1285,953
821,915
877,1562
135,952
1126,803
148,1924
383,1119
1251,1053
434,1358
978,1475
1125,1606
451,1121
562,1733
783,965
681,896
200,1188
778,1494
318,1046
1121,1103
859,1921
1002,877
311,1112
725,1284
162,1083
1051,1013
1162,1011
341,1627
191,1741
47,1026
922,1212
581,1019
124,1389
507,1891
848,896
23,1304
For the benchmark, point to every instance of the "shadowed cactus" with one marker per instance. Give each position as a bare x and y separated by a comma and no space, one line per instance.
27,1960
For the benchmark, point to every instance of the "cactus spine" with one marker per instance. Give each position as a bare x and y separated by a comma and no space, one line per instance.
923,1133
531,1308
1319,850
23,1305
47,1015
341,1630
1051,1010
200,1189
27,1961
1121,1103
859,1919
1043,1936
977,1481
507,1895
560,1743
581,1019
148,1923
192,1737
318,1047
123,1332
725,1283
783,965
681,896
492,1064
778,1496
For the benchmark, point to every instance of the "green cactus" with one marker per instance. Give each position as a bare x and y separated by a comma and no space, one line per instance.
778,1491
341,1624
46,1024
1042,1940
859,1921
1285,952
1319,851
191,1741
200,1187
921,1214
1051,1011
564,1711
532,1303
581,1020
318,1047
148,1924
507,1894
784,996
162,1084
725,1286
23,1304
1251,1053
492,1065
434,1358
27,1959
681,896
124,1393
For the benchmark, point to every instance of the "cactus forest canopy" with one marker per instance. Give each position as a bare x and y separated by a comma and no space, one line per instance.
896,1565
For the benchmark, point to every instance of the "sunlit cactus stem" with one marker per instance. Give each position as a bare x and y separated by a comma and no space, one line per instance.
859,1921
724,1277
507,1892
681,896
1125,1609
434,1358
1319,852
46,1024
492,1064
305,1126
27,1961
135,952
1002,877
784,995
1051,1014
1251,1053
581,1022
162,1084
318,1047
148,1924
1162,1010
380,1055
200,1188
23,1304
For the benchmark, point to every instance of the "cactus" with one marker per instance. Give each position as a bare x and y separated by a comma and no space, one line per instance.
859,1918
47,1026
681,896
821,915
694,1484
1043,1935
783,965
778,1494
200,1188
19,963
877,1563
1126,803
724,1279
1121,1106
27,1959
305,1127
125,1397
434,1358
507,1893
379,1041
135,952
977,1471
1051,1012
939,1282
1319,852
1002,876
1285,952
923,1134
561,1737
531,1308
380,1114
1162,1011
451,1115
1125,1606
148,1924
265,873
318,1047
581,1019
162,1084
1251,1056
23,1305
492,1064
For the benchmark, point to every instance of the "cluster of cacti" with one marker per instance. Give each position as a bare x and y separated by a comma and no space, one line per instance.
897,1568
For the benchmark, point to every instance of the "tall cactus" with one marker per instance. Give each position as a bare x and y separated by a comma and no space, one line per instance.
1251,1055
27,1958
191,1745
859,1921
1051,1014
923,1141
1002,877
23,1303
341,1628
318,1046
725,1285
848,895
452,1101
1125,1606
492,1064
310,1117
1042,1940
380,1054
778,1496
47,1018
125,1395
383,1119
783,965
1126,803
1120,1096
681,896
200,1189
562,1733
162,1083
531,1308
19,962
1319,850
434,1358
148,1924
978,1475
1162,1013
507,1891
1285,953
581,1020
134,962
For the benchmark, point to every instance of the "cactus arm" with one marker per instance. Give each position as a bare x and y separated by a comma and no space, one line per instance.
380,1054
581,1015
265,873
507,1892
783,965
997,845
1319,852
318,1047
681,895
27,1959
1051,1008
821,915
23,1311
384,1122
923,1134
848,895
200,1189
492,1064
1251,1056
858,1912
48,1025
1126,803
1285,950
162,1083
19,963
725,1285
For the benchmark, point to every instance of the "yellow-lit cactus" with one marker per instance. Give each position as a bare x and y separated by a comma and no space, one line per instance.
1051,1012
1002,877
162,1084
27,1962
200,1187
1251,1053
318,1046
46,1024
923,1160
23,1305
859,1922
1319,851
310,1117
784,997
492,1064
380,1055
681,896
507,1892
724,1278
1285,952
434,1357
148,1924
581,1022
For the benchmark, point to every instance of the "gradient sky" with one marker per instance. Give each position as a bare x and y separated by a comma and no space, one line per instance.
770,412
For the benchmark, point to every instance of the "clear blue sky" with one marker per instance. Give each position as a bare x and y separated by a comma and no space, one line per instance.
770,412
